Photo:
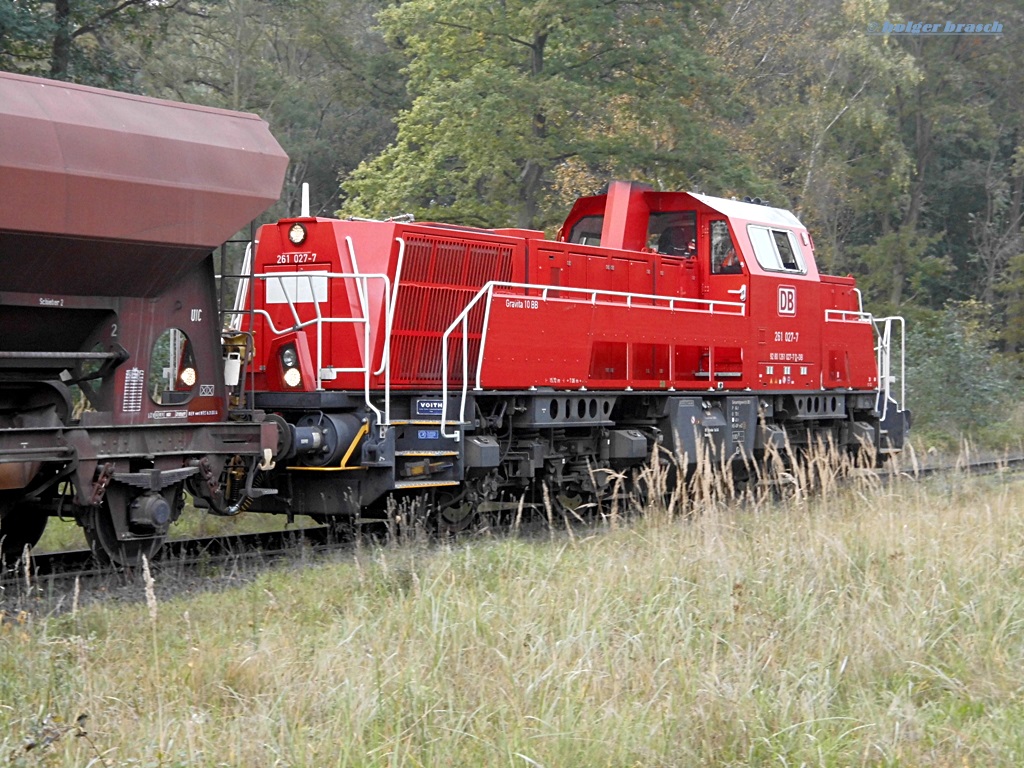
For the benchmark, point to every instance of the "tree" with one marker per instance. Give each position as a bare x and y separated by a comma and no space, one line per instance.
896,150
315,70
956,379
518,101
70,39
818,119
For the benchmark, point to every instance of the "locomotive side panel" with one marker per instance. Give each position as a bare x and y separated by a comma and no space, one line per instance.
423,277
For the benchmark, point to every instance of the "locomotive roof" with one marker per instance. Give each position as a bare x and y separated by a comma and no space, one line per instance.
626,206
753,212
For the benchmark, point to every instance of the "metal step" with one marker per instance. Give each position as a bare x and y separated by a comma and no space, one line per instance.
426,453
404,484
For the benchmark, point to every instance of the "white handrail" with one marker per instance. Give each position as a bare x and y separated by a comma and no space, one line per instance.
667,303
367,354
319,320
847,316
241,290
394,298
883,351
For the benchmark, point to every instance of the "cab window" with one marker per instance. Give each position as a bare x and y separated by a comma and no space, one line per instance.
587,231
725,258
673,233
776,249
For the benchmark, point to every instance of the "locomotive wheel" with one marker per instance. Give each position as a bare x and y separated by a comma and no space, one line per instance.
455,514
456,519
17,531
103,541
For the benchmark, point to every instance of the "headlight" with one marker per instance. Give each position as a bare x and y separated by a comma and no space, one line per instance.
188,377
289,357
297,234
292,377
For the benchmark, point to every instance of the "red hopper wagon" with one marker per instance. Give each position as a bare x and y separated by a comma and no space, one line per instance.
112,393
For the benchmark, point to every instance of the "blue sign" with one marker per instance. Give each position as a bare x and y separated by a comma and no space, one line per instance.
426,407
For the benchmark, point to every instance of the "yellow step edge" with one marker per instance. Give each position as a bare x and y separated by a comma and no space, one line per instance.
426,453
403,484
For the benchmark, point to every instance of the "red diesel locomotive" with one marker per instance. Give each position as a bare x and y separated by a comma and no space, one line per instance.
112,394
477,365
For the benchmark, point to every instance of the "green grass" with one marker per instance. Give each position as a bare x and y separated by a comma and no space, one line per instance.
869,626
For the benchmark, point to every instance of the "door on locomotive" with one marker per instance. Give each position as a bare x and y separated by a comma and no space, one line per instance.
724,276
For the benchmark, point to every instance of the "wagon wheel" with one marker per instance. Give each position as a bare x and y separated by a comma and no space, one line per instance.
455,513
105,546
20,527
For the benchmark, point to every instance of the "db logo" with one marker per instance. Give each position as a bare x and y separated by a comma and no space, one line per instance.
787,300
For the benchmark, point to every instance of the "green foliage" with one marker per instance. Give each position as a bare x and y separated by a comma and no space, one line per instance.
1012,289
897,260
315,70
519,101
75,40
20,27
957,383
818,121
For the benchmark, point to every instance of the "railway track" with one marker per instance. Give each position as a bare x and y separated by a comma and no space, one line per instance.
52,573
971,466
209,559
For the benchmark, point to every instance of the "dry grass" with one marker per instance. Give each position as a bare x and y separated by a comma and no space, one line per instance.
867,625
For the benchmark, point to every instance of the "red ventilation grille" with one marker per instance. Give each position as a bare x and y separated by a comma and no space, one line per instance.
440,276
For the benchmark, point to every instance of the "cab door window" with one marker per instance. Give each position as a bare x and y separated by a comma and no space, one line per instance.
725,258
776,249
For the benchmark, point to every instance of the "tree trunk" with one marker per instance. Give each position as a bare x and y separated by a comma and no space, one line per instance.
61,55
533,171
896,292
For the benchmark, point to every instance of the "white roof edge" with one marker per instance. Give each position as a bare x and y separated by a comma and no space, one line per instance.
762,214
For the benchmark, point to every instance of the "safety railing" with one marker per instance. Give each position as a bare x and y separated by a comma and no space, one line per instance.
319,321
883,327
385,360
848,316
883,350
542,293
